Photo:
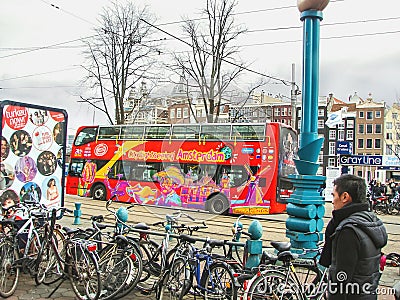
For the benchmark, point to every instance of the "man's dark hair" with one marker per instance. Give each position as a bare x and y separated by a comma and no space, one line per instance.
354,185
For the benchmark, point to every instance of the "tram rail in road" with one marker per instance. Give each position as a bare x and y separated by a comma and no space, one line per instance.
274,227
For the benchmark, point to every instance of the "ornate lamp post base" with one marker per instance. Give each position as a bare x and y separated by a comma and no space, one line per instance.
306,206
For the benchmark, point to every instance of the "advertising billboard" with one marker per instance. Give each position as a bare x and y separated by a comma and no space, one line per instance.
33,145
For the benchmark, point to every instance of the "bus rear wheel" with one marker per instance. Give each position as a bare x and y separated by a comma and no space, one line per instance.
99,192
218,204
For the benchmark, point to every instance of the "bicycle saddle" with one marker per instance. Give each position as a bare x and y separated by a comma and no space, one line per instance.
287,256
142,226
281,246
71,231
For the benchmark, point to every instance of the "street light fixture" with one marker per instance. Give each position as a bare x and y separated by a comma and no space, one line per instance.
306,206
304,5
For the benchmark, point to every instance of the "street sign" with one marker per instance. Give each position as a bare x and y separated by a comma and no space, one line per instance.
361,160
344,147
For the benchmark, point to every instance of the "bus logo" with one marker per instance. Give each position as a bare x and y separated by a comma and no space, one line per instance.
247,150
100,150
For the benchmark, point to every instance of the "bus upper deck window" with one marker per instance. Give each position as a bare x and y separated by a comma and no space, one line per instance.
87,135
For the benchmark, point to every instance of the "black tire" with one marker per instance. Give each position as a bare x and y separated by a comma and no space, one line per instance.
218,204
136,270
379,208
115,271
48,269
310,277
273,285
9,274
219,283
151,258
176,282
99,192
84,275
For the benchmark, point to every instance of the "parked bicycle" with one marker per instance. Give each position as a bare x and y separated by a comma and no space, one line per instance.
286,281
76,262
20,243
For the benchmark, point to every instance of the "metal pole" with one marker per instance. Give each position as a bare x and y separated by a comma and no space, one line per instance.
293,96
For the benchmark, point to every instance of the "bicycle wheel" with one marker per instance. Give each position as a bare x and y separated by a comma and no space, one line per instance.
176,282
48,268
9,273
272,284
312,280
218,282
151,256
136,270
83,273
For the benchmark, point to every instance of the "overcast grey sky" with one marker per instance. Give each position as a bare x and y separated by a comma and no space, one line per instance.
359,48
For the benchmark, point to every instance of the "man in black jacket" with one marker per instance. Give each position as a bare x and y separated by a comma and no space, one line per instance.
353,241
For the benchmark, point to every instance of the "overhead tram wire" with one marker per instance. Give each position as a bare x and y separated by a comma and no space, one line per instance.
247,45
239,13
48,47
285,82
242,13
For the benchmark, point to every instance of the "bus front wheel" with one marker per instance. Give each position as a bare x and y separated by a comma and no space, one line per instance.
218,204
99,192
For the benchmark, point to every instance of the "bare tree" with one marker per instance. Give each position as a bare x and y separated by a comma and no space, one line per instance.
118,58
212,65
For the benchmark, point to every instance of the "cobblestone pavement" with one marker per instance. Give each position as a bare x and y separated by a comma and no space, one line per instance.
27,289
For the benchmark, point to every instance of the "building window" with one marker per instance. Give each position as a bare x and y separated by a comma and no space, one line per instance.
331,162
360,128
369,128
321,123
185,112
389,136
361,114
349,135
321,112
350,123
172,113
389,125
394,116
388,150
360,143
320,158
332,148
179,113
369,144
332,134
370,115
199,113
377,143
378,114
340,135
378,128
277,111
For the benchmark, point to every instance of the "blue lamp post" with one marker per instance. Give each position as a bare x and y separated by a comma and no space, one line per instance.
306,206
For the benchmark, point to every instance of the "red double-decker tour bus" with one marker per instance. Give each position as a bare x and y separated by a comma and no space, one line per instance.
238,168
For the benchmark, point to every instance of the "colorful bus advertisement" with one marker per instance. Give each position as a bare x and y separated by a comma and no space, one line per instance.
222,168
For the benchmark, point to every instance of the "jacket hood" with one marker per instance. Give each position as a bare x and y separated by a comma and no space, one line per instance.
368,223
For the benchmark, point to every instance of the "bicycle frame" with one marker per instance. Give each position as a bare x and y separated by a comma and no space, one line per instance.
28,228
